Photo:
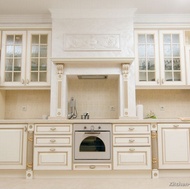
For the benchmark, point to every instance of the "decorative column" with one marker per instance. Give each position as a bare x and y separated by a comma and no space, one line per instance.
60,70
125,71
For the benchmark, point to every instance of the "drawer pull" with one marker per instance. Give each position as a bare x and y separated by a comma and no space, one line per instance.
52,140
176,125
131,128
92,166
53,129
131,140
52,149
131,149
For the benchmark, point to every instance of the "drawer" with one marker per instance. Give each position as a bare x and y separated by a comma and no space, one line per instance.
131,128
52,158
52,140
53,129
133,140
132,158
92,167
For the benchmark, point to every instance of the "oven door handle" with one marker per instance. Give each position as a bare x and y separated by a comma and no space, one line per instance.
92,133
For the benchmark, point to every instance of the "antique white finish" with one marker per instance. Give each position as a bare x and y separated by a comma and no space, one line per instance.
187,57
174,146
13,142
93,166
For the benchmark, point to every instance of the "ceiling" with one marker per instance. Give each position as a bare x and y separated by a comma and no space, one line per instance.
143,6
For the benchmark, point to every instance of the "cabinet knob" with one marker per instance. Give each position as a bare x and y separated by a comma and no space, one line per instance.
162,81
52,149
131,140
158,81
22,81
131,149
176,126
27,81
131,128
92,166
53,129
52,140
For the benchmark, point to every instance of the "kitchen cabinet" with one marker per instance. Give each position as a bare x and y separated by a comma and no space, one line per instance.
174,146
160,58
131,147
52,147
25,58
13,144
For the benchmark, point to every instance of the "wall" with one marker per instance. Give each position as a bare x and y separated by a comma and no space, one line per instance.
176,103
2,104
23,104
95,96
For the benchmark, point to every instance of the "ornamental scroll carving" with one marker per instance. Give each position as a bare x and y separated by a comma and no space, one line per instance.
92,42
125,71
60,68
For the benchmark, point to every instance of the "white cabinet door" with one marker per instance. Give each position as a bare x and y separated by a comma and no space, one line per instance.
187,54
13,146
132,158
173,147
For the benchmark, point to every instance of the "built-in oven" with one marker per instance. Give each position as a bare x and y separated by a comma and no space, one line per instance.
92,142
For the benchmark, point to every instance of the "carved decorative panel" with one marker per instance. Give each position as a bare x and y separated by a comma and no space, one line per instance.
92,42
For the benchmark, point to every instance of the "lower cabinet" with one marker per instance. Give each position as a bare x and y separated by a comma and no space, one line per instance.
50,158
174,146
132,158
13,144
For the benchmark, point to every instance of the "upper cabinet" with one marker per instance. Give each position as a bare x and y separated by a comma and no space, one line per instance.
25,59
160,58
187,53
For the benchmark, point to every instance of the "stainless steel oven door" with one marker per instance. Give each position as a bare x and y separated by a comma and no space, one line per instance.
92,145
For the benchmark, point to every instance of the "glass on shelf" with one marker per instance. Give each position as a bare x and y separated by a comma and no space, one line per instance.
9,51
17,77
151,64
43,64
43,50
10,40
8,64
150,38
168,64
18,51
8,76
43,76
35,39
176,64
142,64
18,39
176,50
142,76
34,77
142,51
167,38
151,76
17,64
175,38
167,50
34,64
141,38
168,76
35,51
43,39
177,76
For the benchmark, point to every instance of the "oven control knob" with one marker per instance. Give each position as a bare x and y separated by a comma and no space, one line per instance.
84,127
99,127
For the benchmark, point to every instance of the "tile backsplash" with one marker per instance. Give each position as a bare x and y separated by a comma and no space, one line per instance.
165,103
98,97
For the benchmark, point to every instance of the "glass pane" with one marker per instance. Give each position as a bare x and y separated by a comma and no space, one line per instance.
8,76
168,64
43,76
142,64
8,64
142,76
18,39
35,39
35,51
10,39
150,38
17,65
167,38
142,50
168,76
43,51
18,51
167,50
151,76
92,144
177,76
34,64
9,51
151,64
43,64
150,50
17,76
175,38
43,39
176,63
176,50
141,38
34,77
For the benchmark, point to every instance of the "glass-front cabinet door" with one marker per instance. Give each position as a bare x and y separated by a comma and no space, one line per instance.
147,64
13,58
38,58
172,58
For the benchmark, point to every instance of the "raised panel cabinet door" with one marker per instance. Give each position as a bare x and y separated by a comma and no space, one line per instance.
174,148
13,147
